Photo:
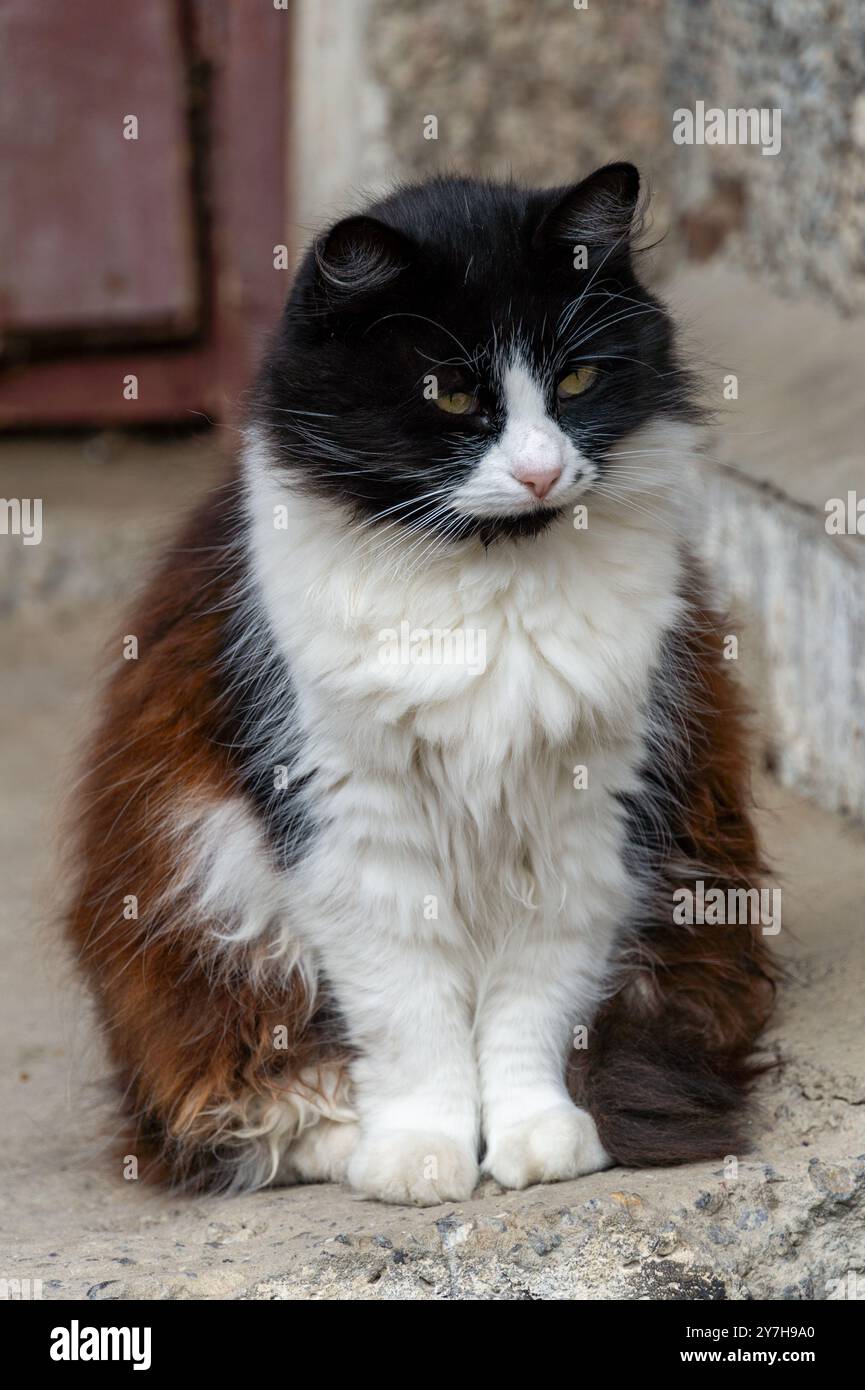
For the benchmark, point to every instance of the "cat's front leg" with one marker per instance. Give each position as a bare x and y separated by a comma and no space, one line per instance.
403,995
536,993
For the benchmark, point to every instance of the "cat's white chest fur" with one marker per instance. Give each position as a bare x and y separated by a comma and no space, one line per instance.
469,714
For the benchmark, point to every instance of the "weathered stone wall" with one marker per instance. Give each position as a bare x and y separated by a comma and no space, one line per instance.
543,90
796,218
540,90
546,91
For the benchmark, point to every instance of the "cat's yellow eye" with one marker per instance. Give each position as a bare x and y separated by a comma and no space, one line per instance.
575,383
457,402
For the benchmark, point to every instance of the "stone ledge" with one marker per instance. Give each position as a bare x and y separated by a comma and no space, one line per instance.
797,601
776,455
771,1234
109,503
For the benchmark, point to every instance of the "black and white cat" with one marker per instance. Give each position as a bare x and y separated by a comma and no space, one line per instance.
407,914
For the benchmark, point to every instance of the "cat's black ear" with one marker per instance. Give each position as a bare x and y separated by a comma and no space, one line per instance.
359,257
598,212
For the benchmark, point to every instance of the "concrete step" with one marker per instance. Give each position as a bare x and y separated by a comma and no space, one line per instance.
784,1222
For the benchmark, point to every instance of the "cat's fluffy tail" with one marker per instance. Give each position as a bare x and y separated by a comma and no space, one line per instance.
663,1084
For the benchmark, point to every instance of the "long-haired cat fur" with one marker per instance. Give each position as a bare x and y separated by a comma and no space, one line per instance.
354,912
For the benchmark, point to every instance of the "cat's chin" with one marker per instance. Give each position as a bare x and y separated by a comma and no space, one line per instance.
491,529
524,526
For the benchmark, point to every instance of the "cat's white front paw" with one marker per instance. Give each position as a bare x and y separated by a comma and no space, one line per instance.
550,1146
413,1167
322,1153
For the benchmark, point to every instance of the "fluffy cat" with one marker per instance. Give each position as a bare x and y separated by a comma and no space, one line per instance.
429,720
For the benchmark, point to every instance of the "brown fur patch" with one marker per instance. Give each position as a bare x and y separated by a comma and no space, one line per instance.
189,1038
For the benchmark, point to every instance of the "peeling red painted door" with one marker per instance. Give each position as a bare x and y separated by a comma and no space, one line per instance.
96,95
142,179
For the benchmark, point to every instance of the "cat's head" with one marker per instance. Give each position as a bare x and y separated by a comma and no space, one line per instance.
469,358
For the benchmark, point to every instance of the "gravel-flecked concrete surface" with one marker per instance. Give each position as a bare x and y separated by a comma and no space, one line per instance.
784,1222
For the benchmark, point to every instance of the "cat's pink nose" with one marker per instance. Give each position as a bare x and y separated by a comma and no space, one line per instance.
538,480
